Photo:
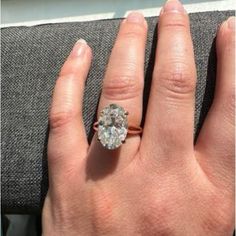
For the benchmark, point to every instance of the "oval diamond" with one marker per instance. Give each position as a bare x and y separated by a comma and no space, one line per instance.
112,126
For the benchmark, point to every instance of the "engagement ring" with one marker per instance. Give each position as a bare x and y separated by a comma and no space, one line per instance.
112,126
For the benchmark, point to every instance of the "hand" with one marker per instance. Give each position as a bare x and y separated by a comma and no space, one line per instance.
157,184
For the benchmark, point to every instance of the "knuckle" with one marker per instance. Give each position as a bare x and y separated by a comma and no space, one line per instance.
133,31
102,209
176,82
180,22
60,119
66,219
221,220
176,25
122,87
155,216
64,78
71,66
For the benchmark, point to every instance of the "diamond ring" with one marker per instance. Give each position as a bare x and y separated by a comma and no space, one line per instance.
112,126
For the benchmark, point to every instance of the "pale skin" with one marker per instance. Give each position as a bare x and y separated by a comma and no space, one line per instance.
159,183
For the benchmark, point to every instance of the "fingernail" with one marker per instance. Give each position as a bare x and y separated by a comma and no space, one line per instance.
173,6
161,11
231,23
79,48
81,41
135,17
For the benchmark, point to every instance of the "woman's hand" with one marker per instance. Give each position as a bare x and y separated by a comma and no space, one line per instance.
160,183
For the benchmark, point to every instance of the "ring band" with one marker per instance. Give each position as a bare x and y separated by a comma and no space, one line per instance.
131,129
112,126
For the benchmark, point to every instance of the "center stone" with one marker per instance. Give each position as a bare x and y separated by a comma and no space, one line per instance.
112,126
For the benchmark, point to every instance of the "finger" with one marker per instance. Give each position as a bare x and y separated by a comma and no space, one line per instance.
67,143
124,78
215,143
170,114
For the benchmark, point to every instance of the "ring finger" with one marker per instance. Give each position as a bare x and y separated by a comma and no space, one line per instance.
124,79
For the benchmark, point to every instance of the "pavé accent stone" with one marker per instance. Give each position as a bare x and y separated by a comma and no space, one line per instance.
112,126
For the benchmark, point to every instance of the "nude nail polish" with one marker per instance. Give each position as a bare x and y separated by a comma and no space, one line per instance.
135,17
173,6
79,48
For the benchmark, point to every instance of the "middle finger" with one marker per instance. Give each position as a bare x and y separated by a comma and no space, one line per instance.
170,115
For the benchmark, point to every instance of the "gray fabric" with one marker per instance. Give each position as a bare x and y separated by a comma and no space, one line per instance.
31,59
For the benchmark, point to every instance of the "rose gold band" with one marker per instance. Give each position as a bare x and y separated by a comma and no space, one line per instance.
131,129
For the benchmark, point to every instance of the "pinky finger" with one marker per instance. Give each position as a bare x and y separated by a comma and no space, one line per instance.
216,142
67,144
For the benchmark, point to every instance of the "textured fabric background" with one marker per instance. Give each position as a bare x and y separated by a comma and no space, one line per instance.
31,59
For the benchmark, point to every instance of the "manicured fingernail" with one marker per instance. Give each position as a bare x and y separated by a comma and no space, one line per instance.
135,17
173,6
79,48
231,23
81,41
161,11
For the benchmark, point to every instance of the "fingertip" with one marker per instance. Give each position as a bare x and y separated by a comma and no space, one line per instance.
89,52
83,41
227,27
136,18
79,60
161,11
226,35
80,49
231,23
173,14
173,6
